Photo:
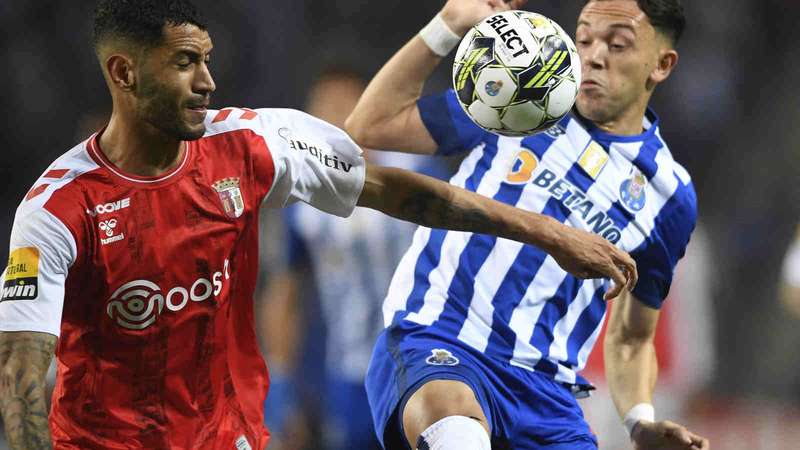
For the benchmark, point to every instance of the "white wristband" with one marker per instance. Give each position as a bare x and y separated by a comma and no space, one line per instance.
439,37
641,412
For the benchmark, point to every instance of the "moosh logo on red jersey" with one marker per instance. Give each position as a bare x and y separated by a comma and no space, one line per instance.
137,304
106,208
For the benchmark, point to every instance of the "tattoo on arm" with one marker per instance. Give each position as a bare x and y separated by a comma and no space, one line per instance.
437,212
24,360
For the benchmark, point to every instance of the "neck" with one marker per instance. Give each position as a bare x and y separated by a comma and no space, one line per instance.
138,148
629,123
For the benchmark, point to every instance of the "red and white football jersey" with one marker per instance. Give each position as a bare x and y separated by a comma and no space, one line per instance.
149,281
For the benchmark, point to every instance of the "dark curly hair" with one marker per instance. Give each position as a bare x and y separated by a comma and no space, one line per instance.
667,16
142,21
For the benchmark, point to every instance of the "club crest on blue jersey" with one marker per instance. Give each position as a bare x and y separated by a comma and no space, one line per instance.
231,196
441,357
632,190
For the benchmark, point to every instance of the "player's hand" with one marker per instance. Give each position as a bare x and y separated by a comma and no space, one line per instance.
461,15
666,435
588,255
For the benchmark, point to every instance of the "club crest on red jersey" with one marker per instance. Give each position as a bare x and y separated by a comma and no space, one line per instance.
231,196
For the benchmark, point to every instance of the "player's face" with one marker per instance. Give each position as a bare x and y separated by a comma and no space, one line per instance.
175,84
619,50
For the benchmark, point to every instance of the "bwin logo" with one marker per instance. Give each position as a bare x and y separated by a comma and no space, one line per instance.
137,304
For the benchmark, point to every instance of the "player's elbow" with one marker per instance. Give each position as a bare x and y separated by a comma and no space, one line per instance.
366,133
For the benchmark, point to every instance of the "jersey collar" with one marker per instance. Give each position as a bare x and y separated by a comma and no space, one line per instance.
650,124
93,147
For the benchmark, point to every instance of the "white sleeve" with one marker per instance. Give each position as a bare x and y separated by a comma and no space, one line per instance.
42,250
315,162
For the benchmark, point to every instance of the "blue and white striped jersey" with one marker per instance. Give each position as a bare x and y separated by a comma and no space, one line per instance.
512,301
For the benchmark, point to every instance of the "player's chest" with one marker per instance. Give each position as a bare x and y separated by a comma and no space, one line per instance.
193,222
588,187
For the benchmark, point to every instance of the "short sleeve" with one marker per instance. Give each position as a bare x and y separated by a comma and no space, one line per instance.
448,124
315,162
658,255
41,252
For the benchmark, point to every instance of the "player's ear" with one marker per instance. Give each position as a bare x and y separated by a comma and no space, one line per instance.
121,71
667,60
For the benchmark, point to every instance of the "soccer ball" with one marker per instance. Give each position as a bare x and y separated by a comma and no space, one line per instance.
516,73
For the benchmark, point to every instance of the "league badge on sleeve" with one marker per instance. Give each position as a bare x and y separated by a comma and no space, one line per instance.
441,357
20,279
632,191
231,196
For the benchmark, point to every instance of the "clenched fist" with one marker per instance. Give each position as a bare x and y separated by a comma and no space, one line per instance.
461,15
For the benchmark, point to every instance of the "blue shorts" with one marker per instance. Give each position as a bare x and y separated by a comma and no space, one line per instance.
526,410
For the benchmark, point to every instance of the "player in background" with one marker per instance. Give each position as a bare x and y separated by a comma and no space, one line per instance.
344,266
134,255
485,338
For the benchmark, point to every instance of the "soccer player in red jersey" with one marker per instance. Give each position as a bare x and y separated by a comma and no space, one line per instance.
133,257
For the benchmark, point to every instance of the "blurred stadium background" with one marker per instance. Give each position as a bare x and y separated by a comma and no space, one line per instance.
728,343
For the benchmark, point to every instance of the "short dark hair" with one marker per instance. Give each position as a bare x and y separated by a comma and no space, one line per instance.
667,16
142,21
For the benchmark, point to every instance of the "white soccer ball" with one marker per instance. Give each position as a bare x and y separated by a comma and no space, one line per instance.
516,73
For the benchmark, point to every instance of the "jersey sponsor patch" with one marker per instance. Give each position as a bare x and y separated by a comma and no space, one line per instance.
593,159
20,279
441,357
320,152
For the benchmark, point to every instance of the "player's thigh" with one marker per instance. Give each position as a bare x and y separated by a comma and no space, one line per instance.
435,400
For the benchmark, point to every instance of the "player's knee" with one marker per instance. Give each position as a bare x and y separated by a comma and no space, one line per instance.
438,400
454,433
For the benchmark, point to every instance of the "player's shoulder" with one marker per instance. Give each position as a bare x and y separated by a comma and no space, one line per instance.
55,205
674,182
262,121
58,186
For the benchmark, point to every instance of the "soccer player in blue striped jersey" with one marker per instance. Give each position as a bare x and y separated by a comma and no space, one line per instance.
485,338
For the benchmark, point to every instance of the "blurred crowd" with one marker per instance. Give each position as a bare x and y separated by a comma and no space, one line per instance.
729,112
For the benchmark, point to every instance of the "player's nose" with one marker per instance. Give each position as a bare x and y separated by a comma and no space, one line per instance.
204,82
594,55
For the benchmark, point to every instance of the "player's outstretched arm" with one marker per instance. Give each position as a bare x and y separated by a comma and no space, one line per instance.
631,371
386,116
24,359
432,203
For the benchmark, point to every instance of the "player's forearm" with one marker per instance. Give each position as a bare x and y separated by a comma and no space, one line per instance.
631,370
432,203
390,98
24,359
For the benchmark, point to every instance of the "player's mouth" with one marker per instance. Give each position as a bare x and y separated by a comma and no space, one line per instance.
199,110
589,84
